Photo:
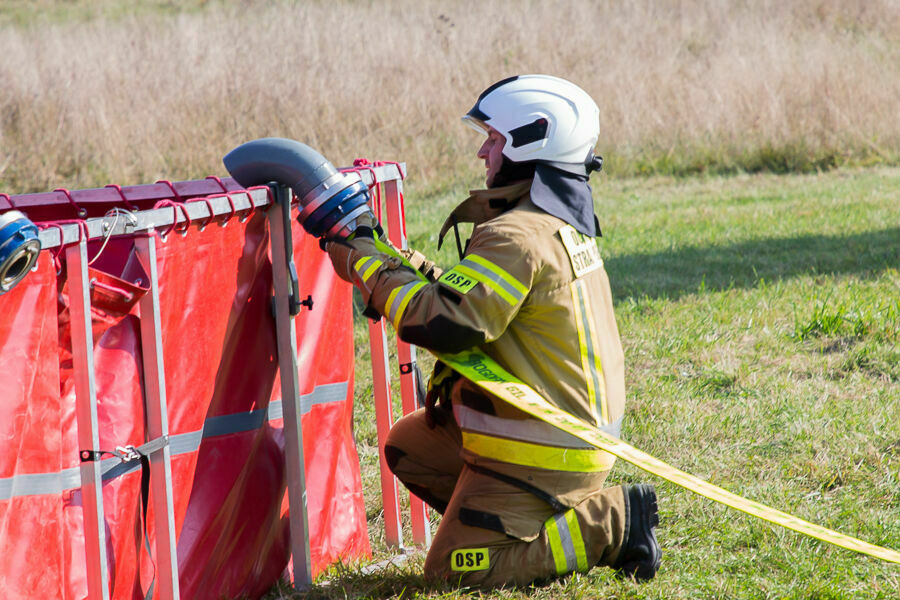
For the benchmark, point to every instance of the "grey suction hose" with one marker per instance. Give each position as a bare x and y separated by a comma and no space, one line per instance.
331,202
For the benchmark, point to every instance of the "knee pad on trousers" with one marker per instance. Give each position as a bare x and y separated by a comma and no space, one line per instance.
392,455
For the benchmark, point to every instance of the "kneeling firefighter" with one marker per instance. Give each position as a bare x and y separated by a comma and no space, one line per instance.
521,500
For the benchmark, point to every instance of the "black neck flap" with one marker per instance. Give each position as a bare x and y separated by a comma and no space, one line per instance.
565,195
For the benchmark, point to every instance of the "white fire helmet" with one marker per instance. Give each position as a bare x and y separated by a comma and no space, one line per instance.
543,118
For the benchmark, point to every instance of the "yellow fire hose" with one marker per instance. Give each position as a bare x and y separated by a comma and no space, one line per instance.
486,373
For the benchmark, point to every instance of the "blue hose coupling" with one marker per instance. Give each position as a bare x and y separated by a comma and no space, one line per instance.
332,209
19,248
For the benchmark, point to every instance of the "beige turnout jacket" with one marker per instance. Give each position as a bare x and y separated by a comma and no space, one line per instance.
532,293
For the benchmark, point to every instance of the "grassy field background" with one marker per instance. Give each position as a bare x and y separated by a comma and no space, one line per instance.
750,209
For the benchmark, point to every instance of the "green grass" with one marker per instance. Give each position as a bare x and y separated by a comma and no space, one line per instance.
761,322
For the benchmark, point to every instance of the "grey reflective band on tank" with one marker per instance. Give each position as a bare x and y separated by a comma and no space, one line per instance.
35,484
495,277
527,430
565,536
322,394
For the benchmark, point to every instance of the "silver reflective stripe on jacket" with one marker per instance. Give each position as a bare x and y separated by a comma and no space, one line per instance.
528,430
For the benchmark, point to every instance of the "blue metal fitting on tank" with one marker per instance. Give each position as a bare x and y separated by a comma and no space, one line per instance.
19,248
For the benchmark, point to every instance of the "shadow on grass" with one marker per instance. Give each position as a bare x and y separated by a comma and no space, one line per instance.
401,587
687,270
401,582
374,586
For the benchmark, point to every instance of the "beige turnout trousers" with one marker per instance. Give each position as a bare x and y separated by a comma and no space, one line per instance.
494,532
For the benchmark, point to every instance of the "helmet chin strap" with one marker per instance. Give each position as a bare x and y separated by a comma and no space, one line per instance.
594,163
511,171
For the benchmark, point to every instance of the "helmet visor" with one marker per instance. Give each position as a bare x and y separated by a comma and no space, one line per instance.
476,124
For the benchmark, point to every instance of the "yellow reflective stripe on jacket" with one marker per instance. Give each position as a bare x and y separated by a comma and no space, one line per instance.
365,266
590,355
506,277
398,300
371,269
477,273
566,543
484,271
535,455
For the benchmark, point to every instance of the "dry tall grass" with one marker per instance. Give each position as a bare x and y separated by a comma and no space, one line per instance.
682,85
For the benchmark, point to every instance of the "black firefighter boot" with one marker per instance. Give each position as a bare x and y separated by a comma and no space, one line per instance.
640,554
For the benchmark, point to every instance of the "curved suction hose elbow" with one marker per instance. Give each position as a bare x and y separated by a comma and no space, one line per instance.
331,202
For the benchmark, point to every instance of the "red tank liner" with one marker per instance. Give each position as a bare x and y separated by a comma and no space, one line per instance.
225,425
